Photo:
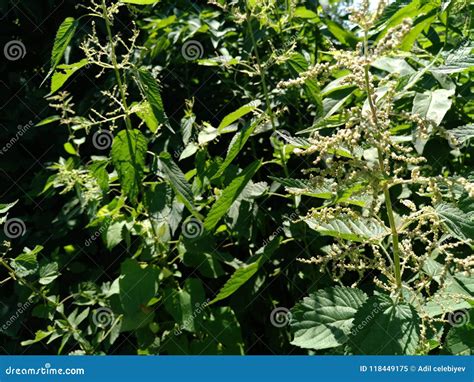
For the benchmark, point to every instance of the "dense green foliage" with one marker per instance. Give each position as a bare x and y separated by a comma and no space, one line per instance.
237,177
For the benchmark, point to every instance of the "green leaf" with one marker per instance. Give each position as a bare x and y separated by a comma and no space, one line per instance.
458,223
48,120
69,148
222,334
433,105
460,340
383,327
128,156
39,336
239,113
229,195
400,10
393,65
186,305
5,207
304,187
178,182
341,34
113,233
63,72
298,64
457,290
422,23
152,93
237,144
461,134
205,262
323,319
137,286
48,273
145,113
243,274
239,278
63,38
355,229
27,263
457,60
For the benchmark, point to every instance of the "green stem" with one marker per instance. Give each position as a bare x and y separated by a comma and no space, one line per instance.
123,96
40,293
386,191
261,71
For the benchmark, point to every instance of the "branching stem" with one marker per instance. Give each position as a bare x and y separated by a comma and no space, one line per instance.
386,191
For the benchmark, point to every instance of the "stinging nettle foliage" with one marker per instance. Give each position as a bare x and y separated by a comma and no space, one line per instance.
296,151
412,254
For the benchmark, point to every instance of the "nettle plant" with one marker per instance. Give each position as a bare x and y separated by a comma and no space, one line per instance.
174,235
396,225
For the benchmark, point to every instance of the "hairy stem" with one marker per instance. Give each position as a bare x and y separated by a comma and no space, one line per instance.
261,72
123,96
386,192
